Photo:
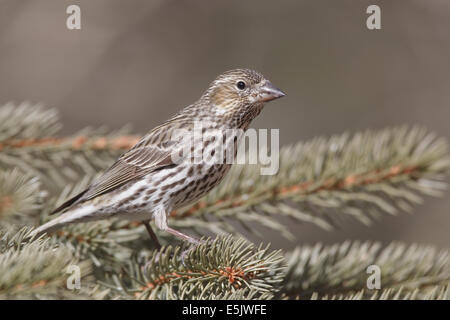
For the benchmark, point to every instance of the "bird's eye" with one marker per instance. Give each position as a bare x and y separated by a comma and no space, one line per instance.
241,85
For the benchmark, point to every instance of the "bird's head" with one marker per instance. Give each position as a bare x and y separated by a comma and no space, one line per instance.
240,89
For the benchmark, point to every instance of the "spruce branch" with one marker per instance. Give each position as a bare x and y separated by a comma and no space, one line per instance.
20,198
222,268
340,271
27,121
28,142
325,181
34,269
433,293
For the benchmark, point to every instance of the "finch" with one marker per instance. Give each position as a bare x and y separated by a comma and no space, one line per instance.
148,181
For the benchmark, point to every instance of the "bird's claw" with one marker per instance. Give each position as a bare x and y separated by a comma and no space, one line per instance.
183,254
158,256
193,246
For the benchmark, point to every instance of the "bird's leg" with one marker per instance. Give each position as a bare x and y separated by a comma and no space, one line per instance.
152,234
161,222
183,236
195,242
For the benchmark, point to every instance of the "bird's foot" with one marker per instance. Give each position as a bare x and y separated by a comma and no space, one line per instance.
162,255
191,248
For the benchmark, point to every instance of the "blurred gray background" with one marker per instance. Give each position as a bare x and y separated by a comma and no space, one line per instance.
139,62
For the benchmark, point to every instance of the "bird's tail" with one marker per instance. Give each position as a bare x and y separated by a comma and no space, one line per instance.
48,227
76,215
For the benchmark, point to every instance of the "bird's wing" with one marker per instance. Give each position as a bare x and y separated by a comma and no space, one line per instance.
134,164
146,156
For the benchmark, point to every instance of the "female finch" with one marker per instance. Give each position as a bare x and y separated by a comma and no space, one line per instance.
148,181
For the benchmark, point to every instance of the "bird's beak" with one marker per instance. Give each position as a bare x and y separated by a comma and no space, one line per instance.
269,92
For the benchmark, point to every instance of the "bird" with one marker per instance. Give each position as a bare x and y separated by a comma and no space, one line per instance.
147,182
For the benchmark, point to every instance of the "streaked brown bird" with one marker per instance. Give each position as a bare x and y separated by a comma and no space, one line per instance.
148,181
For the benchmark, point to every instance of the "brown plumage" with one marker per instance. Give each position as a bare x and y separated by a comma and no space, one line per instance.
147,183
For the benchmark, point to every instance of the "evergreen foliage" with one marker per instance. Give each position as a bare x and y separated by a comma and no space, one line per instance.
325,182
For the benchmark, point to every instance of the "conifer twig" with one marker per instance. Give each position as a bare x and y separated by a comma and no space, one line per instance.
341,271
326,181
217,268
